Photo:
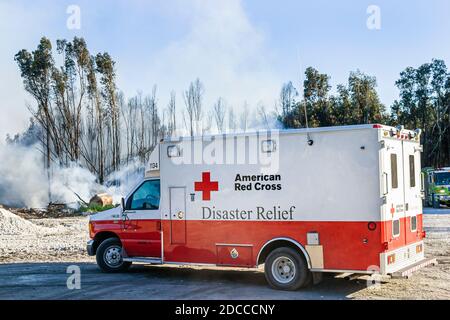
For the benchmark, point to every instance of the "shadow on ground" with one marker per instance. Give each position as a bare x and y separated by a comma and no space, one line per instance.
49,281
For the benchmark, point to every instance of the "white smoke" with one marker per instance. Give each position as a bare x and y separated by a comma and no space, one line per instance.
120,183
66,181
22,178
24,181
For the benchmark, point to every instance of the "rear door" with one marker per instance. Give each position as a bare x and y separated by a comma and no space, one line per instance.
393,192
412,187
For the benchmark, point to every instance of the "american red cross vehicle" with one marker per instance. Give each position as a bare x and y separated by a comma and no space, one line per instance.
301,202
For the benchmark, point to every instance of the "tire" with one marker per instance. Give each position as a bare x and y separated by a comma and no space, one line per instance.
286,269
436,204
109,256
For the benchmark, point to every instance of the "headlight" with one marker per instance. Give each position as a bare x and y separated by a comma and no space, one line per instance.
442,191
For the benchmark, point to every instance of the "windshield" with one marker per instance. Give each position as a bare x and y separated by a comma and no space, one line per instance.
146,197
442,178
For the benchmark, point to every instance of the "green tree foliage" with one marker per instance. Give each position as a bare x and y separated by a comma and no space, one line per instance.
316,90
355,103
35,70
366,105
424,103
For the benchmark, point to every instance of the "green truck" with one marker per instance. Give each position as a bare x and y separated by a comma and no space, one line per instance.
437,186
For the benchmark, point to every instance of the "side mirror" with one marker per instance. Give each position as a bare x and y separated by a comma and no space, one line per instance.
123,204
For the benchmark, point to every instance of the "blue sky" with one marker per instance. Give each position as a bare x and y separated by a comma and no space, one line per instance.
241,50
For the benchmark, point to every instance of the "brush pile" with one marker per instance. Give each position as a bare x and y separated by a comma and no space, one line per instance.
53,210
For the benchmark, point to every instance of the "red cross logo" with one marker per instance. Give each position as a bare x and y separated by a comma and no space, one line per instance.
206,186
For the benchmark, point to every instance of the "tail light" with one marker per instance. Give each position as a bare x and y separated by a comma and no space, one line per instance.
424,234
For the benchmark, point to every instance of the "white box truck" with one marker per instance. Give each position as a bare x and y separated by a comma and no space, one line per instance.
301,202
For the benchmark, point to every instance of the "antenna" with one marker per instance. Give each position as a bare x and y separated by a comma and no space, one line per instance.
308,137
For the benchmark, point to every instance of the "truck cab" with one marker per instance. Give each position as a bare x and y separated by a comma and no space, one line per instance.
437,182
131,231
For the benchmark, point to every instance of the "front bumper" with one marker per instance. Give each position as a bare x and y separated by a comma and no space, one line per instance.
90,248
443,198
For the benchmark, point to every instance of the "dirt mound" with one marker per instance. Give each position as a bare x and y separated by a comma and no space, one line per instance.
12,224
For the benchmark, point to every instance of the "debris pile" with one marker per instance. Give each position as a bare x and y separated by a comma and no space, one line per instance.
53,210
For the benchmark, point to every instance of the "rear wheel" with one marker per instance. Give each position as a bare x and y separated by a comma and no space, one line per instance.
109,256
286,269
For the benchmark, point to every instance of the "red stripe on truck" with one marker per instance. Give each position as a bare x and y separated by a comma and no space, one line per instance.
346,245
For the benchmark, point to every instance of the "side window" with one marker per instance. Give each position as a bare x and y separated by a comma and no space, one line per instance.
394,175
413,223
412,172
146,197
395,228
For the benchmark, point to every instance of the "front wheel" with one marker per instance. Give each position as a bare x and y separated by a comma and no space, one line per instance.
109,256
286,269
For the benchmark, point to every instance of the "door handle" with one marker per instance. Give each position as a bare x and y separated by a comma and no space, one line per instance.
125,216
385,184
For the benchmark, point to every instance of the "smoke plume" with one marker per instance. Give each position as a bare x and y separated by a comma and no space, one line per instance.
24,181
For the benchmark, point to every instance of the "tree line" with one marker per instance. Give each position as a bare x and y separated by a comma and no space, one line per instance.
81,116
424,103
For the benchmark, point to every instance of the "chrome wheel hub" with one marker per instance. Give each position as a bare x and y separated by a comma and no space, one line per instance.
283,269
113,256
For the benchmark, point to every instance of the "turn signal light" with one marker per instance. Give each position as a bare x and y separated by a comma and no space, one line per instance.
391,259
419,248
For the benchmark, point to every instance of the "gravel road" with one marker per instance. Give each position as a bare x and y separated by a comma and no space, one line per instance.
49,281
35,255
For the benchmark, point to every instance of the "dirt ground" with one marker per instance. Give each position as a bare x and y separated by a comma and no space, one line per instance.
42,239
432,282
63,240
